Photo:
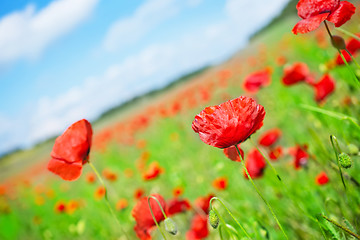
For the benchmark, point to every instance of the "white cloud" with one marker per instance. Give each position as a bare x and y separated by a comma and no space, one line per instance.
26,33
128,31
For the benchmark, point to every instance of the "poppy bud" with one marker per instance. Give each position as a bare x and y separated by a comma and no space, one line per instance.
170,226
353,149
338,42
213,219
345,160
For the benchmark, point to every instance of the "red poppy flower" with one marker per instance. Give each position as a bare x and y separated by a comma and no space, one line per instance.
177,191
295,73
204,203
220,183
255,164
276,153
121,204
270,137
229,123
153,171
90,177
233,154
300,156
100,192
109,175
142,215
71,151
322,178
324,88
313,12
175,206
256,80
60,207
198,229
139,193
352,46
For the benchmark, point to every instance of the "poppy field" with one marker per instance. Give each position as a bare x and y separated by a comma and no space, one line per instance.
262,146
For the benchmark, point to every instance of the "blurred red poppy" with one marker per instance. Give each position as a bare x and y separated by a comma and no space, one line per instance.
60,207
203,203
177,191
139,193
153,171
198,229
300,156
295,73
109,175
229,123
121,204
324,88
71,151
100,192
220,183
255,164
270,137
90,177
142,215
276,153
314,12
322,178
233,154
256,80
176,205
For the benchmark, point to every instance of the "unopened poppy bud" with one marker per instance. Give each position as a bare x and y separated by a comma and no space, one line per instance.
345,160
338,42
213,219
170,226
353,149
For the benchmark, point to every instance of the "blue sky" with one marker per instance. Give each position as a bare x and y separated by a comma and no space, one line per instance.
64,60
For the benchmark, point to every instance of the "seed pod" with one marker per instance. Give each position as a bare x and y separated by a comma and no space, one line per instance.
213,219
338,42
345,160
170,226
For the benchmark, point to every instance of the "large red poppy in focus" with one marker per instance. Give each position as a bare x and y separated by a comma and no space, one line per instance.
142,215
229,123
71,151
314,12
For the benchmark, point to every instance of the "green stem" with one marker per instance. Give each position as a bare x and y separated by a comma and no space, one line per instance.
352,57
153,216
341,227
322,231
107,200
337,150
261,196
267,160
242,228
222,222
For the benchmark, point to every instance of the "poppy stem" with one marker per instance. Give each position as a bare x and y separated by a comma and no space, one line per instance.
341,227
242,228
153,216
223,223
267,160
106,199
261,196
337,151
352,57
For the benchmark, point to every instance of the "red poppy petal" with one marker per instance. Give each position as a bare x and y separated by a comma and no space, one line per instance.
67,171
309,24
324,88
74,144
342,14
309,8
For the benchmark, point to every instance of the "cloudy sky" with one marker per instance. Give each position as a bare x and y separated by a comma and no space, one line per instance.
63,60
